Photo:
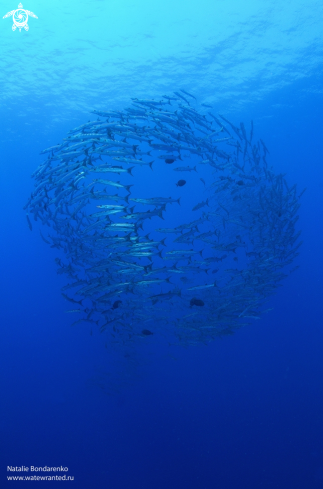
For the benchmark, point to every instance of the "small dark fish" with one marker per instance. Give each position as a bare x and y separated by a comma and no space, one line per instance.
180,183
146,332
240,182
29,223
196,302
116,304
208,106
169,161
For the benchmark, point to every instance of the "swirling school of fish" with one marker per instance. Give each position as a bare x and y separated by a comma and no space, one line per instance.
170,221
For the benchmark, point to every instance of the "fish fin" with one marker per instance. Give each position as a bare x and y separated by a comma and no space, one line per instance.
128,187
151,164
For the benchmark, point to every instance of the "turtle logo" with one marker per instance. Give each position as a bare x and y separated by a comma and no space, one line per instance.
20,18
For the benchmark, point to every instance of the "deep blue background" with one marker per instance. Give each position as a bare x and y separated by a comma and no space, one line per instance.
243,412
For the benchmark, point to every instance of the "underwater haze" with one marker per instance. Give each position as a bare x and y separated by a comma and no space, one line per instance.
161,254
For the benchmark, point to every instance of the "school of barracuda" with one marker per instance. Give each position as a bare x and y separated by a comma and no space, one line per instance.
170,221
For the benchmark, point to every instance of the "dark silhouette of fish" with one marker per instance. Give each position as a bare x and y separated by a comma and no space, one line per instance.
196,302
116,304
146,332
180,183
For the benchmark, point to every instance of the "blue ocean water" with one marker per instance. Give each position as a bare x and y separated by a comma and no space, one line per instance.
245,411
